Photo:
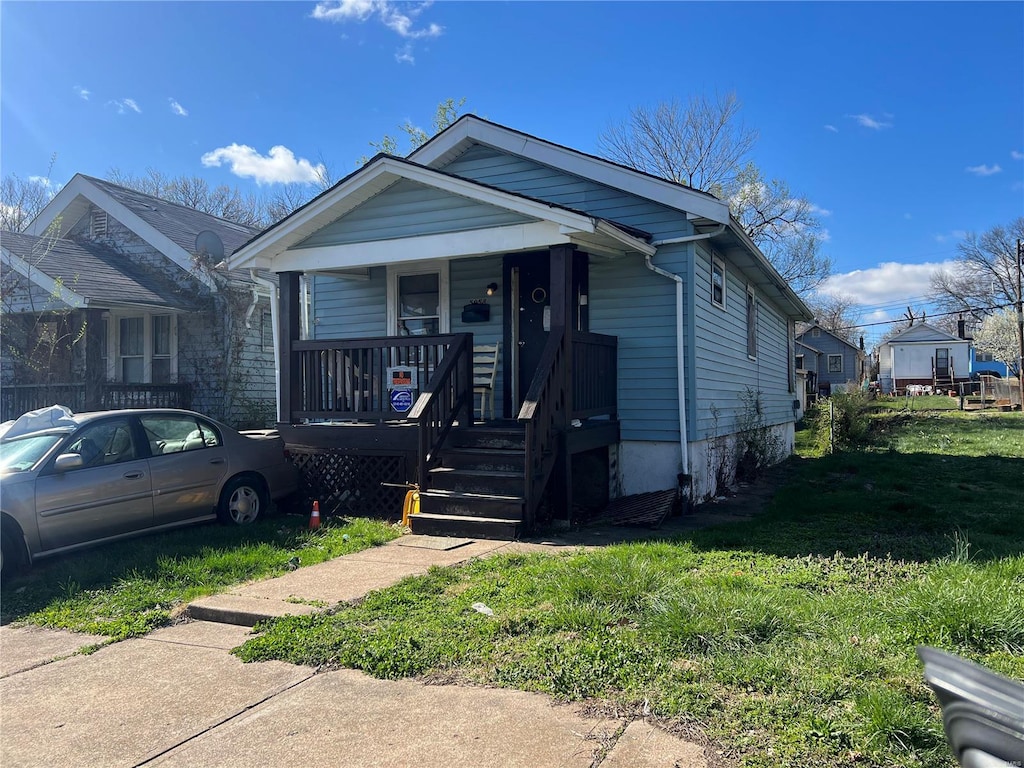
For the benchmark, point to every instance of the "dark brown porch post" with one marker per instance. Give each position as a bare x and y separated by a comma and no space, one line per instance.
288,333
562,257
94,373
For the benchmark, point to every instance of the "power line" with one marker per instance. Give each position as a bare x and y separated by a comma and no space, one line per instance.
937,314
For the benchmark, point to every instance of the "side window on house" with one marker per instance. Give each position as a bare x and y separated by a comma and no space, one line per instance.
835,363
800,362
161,349
815,332
751,323
983,357
132,350
717,282
419,305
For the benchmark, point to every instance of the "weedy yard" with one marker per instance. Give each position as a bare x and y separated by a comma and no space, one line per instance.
787,640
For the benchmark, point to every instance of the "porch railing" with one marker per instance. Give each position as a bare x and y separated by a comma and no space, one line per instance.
17,399
447,398
544,415
347,379
594,375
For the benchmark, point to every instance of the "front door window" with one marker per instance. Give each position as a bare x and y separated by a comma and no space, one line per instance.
419,305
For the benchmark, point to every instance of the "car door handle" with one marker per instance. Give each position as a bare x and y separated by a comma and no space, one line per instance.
216,461
132,475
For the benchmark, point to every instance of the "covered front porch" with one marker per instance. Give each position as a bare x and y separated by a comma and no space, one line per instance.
556,399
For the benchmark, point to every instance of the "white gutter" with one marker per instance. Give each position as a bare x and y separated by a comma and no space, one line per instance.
680,348
272,288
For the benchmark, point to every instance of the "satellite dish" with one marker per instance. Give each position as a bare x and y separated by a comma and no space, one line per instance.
209,242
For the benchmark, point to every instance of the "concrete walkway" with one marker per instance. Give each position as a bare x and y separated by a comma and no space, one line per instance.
178,697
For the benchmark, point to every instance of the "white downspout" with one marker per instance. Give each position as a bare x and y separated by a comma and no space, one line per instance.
272,288
680,348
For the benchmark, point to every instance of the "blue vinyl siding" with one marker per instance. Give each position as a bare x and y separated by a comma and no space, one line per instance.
722,371
827,344
408,209
516,174
350,309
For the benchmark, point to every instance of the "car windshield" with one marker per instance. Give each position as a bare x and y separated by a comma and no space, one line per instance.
22,453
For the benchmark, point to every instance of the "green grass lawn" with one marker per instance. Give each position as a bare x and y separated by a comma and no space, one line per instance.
131,587
788,639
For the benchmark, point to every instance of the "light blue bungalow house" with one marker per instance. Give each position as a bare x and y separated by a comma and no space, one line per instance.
834,361
637,327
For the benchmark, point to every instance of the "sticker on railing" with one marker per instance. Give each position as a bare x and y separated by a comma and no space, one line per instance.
401,400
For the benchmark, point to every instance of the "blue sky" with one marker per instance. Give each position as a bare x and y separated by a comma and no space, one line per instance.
902,122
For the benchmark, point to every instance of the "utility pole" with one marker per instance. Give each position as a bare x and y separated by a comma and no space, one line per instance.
1020,321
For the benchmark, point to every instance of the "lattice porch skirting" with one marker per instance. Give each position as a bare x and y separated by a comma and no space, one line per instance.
347,484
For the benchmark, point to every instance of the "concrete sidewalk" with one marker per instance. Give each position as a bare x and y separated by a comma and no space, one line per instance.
178,697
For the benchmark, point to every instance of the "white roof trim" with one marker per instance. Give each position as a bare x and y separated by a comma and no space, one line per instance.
470,128
274,249
478,242
56,290
940,336
79,186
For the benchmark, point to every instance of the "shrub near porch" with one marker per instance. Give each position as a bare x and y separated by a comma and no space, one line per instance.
789,639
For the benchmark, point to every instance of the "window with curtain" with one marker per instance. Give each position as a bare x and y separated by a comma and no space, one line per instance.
132,350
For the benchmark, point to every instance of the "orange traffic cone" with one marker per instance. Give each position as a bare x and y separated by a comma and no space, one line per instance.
314,518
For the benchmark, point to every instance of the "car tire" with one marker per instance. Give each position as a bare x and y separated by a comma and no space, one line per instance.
242,501
12,551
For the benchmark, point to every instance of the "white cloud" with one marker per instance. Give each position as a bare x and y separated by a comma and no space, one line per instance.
125,105
177,109
83,93
280,166
404,55
983,170
875,124
386,11
1016,155
889,283
819,211
46,183
956,234
831,128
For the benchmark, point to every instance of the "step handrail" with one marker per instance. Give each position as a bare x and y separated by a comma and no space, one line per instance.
543,413
448,398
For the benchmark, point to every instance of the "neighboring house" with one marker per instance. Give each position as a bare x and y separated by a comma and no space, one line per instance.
982,363
922,355
833,361
639,327
113,297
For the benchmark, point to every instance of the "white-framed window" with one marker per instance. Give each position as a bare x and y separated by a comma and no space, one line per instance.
835,363
418,299
751,323
983,357
717,282
145,348
799,362
815,333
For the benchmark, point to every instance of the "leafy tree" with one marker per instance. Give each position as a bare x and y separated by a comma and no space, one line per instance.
703,145
447,112
983,278
998,335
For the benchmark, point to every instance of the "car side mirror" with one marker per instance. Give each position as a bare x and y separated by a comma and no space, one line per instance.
67,461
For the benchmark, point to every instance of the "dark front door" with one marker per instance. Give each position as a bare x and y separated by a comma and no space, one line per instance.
531,321
941,363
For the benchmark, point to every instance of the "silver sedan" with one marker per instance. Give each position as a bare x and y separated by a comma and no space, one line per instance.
96,477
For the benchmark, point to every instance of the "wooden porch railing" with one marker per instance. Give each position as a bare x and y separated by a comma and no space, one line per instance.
447,398
594,375
545,416
17,399
347,379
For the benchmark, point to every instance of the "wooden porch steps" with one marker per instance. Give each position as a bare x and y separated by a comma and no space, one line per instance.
478,489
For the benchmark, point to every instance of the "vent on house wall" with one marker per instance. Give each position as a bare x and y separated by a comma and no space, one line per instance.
99,223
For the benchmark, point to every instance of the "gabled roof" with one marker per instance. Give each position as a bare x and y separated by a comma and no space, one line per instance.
705,211
544,222
811,326
168,227
923,333
88,274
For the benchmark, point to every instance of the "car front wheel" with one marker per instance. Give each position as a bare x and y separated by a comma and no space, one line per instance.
242,501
